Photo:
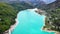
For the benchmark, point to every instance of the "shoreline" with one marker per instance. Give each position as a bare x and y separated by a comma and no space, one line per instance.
46,29
49,30
12,27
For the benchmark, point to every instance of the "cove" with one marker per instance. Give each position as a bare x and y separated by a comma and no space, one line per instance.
30,22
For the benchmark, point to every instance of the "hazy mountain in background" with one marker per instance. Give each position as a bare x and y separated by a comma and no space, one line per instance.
46,1
54,5
27,3
32,3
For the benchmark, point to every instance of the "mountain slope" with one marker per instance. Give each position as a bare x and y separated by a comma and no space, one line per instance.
7,16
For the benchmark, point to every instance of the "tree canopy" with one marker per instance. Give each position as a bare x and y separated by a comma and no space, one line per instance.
7,16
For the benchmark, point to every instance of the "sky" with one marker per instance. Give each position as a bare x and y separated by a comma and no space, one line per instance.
49,1
46,1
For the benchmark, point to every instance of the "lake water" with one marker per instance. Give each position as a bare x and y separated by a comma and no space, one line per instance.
30,22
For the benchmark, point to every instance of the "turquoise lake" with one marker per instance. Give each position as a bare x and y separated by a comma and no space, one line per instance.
30,22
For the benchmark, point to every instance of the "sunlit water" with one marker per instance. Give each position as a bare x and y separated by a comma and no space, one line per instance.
30,22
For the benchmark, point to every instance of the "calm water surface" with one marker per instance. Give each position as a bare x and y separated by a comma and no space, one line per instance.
30,22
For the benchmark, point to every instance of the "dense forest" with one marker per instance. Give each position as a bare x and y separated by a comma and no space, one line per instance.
7,16
8,13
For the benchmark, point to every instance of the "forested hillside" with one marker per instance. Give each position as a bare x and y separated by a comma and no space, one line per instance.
53,16
7,16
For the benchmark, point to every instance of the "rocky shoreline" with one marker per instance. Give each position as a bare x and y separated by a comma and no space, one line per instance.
11,28
49,30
